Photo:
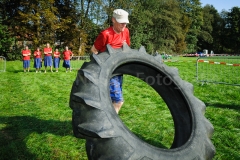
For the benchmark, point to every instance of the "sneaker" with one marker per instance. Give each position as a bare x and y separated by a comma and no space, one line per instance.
45,71
56,71
36,71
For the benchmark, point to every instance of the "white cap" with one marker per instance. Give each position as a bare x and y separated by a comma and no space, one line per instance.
120,15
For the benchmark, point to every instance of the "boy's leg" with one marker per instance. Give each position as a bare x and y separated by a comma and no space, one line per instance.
28,65
117,106
116,92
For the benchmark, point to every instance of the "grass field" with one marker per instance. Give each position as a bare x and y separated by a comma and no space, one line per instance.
35,118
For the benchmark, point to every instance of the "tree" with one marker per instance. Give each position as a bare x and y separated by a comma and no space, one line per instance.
157,25
68,33
6,41
167,26
171,28
224,36
193,10
140,25
205,38
217,33
233,29
38,21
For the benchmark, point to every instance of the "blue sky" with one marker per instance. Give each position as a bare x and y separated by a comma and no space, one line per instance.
221,4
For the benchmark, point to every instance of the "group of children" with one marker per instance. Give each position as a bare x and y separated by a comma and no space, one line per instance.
48,53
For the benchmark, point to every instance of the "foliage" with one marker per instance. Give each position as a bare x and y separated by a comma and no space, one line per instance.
205,38
6,41
157,25
38,21
233,29
193,10
181,26
213,26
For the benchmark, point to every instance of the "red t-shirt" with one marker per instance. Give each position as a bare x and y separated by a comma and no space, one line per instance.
47,50
26,52
56,54
67,54
109,36
37,54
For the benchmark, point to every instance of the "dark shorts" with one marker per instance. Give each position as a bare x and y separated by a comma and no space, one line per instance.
26,63
116,89
66,64
37,63
56,62
47,61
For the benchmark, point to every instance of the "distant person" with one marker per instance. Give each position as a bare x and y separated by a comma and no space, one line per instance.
26,53
47,57
37,59
67,55
56,59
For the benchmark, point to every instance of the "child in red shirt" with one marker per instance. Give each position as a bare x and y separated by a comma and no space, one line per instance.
56,59
47,57
37,59
26,59
67,54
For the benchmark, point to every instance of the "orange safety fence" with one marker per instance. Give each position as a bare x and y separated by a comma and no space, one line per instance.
226,70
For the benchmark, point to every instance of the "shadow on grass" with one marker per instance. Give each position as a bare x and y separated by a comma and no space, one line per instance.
224,106
16,129
21,71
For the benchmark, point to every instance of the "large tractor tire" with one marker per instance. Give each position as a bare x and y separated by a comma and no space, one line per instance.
107,138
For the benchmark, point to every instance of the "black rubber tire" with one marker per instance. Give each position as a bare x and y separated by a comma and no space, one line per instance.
95,119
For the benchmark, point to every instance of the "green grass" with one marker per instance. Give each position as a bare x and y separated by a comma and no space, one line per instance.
35,118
